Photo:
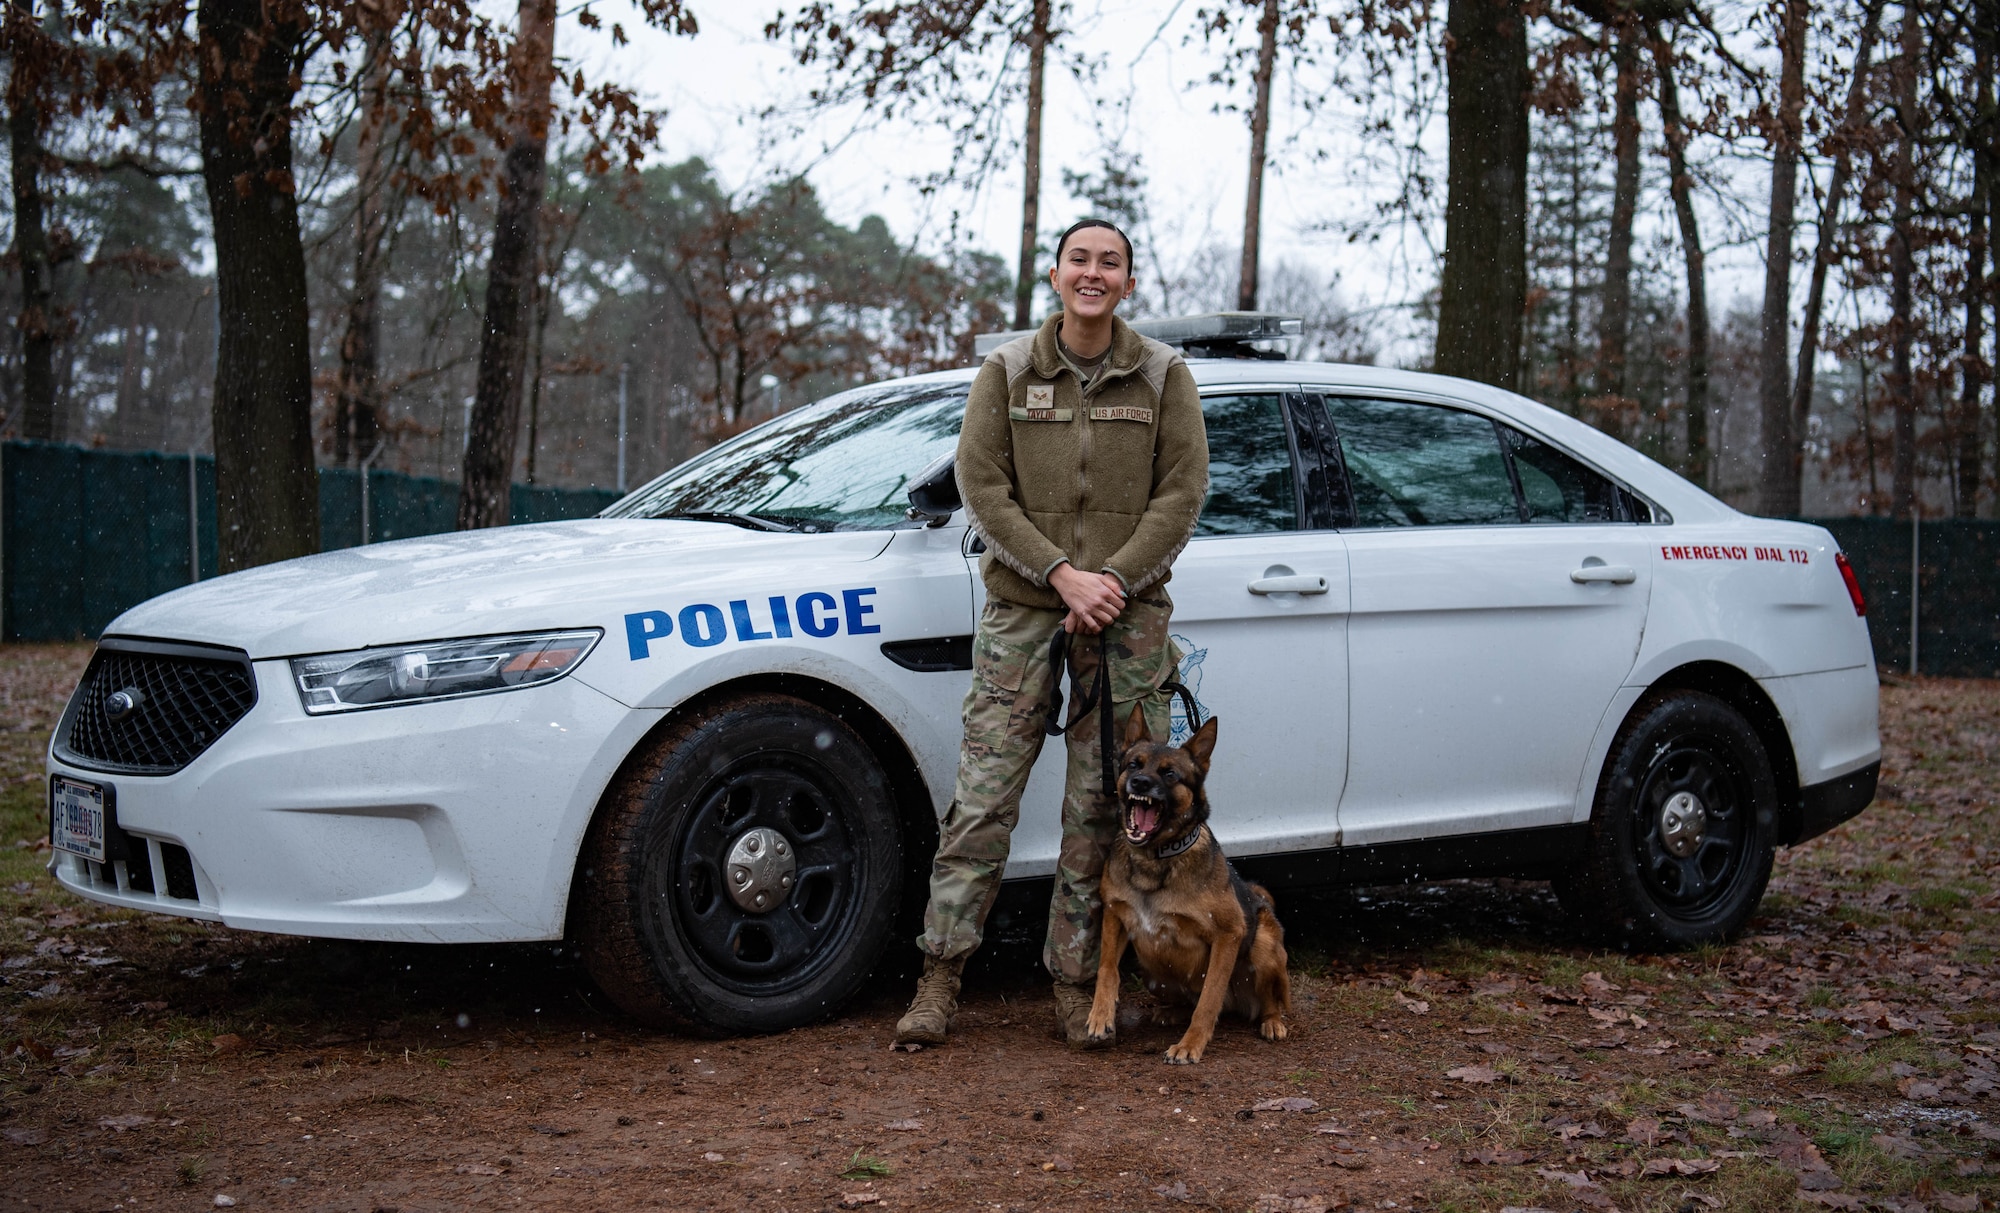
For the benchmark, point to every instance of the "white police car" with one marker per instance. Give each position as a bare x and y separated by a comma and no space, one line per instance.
708,734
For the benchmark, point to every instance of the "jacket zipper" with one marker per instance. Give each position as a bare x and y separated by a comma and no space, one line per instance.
1083,451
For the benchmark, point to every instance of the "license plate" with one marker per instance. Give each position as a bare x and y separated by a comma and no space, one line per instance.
77,816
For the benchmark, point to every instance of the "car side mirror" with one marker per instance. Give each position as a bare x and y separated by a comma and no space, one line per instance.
934,494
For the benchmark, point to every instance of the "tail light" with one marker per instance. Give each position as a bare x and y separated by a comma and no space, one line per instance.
1853,582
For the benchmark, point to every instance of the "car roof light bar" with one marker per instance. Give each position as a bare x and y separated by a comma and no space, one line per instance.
1209,335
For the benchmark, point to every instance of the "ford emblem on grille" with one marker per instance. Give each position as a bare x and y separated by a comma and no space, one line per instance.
120,704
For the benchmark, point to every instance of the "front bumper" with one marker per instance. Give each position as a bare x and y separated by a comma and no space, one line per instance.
450,822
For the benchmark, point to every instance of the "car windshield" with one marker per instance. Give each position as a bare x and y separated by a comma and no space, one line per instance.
842,464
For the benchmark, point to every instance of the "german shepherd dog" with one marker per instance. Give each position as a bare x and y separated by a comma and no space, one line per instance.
1203,934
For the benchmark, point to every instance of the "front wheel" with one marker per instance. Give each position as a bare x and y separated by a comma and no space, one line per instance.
1681,837
743,872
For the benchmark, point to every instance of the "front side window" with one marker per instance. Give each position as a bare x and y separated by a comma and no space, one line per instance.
1421,465
842,464
1250,487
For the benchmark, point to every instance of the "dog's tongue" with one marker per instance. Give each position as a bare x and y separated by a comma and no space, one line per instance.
1144,818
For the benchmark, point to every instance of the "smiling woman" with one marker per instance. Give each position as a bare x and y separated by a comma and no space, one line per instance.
1082,464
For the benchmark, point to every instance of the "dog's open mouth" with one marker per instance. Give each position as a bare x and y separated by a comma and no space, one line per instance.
1142,818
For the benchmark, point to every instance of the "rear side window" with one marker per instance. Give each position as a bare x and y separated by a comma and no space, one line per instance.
1421,465
1250,485
1556,488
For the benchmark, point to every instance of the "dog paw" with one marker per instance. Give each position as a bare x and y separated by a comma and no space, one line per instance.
1183,1055
1273,1029
1099,1027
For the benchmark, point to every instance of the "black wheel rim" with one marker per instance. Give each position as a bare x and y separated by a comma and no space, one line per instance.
1691,872
770,951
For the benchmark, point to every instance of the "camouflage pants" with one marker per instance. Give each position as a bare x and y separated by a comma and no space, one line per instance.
1011,685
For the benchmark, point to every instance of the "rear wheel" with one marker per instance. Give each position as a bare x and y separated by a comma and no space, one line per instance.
1681,836
743,872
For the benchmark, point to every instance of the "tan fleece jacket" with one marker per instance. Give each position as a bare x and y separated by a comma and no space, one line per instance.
1110,479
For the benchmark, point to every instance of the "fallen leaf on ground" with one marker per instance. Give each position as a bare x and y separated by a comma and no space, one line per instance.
1719,1106
1573,1131
131,1120
1290,1103
1898,1146
1176,1190
1473,1074
1644,1131
1415,1006
228,1042
1347,1157
1679,1166
1496,1158
854,1200
1575,1179
1757,1046
1334,1126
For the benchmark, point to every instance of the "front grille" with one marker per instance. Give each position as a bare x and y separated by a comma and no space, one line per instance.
183,698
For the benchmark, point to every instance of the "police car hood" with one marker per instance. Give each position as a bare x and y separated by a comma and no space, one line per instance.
550,575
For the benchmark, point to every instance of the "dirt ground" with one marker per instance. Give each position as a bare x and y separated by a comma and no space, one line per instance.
1454,1047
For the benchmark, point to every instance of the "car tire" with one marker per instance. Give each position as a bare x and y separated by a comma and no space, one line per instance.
1681,837
709,814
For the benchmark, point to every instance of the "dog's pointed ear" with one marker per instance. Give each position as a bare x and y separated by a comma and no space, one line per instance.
1202,744
1135,727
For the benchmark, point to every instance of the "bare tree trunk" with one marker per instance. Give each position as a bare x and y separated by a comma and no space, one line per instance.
357,391
1972,369
266,487
483,498
1615,312
1975,371
37,320
1681,188
1782,456
535,375
1260,130
1855,116
1031,182
1483,290
1902,268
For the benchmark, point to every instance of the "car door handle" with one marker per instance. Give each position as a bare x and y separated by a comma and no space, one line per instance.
1301,584
1616,574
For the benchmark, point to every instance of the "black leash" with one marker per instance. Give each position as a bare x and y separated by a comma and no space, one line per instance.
1099,697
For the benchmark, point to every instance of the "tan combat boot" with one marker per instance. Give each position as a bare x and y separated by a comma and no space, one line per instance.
1073,1016
935,1006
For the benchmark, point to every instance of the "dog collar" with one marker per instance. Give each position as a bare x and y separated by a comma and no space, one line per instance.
1180,848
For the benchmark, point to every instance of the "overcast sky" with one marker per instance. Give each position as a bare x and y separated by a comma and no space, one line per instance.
715,85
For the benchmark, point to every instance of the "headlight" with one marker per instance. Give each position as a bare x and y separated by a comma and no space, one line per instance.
438,669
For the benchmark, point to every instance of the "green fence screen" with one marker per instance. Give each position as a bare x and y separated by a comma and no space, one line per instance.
85,534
